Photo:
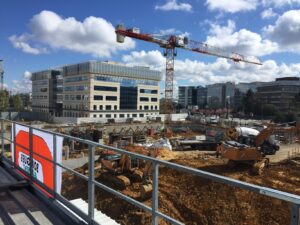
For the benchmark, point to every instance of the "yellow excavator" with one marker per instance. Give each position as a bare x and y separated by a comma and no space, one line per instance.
254,154
123,170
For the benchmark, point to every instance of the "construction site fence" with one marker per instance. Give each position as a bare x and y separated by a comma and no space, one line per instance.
293,200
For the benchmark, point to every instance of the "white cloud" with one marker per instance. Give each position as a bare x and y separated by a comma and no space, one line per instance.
280,3
173,31
172,5
154,59
286,31
27,75
168,31
23,85
231,6
21,42
94,35
5,86
193,72
243,41
268,13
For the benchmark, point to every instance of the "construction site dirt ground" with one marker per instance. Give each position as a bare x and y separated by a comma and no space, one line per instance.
194,200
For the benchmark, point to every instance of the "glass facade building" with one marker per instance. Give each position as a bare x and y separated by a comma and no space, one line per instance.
280,93
97,89
47,89
113,90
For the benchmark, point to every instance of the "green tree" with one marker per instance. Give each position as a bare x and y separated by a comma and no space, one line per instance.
269,110
4,100
249,102
18,103
290,117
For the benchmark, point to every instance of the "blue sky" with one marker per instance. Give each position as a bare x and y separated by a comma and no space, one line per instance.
37,35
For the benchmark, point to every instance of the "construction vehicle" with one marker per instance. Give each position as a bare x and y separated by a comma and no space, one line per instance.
264,140
255,155
240,153
170,43
123,170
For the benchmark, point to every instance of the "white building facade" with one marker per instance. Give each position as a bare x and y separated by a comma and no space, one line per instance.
109,90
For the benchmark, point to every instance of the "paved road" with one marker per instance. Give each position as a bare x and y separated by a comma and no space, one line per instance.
284,152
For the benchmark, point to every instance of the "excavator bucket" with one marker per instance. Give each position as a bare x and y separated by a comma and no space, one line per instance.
146,190
259,166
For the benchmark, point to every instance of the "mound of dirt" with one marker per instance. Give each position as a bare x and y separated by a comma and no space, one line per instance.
194,200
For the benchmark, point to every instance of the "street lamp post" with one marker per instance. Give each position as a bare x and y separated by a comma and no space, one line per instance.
227,105
1,74
2,83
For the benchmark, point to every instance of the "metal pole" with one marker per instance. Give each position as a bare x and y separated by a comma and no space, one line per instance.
54,165
2,84
154,192
2,122
2,139
14,142
31,153
91,185
295,211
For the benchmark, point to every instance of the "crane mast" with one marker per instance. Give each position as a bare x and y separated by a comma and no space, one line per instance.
170,43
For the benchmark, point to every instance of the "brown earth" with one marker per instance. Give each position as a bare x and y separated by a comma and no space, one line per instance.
194,200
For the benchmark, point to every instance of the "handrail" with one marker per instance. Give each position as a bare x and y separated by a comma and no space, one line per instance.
293,199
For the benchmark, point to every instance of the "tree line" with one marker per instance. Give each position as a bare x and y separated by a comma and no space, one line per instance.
252,106
10,102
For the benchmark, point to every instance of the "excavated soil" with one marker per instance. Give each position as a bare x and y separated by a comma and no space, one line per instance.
194,200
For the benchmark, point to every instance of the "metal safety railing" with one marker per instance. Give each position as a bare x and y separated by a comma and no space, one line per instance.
294,200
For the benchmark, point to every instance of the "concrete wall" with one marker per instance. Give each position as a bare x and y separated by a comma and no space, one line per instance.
28,116
175,117
74,120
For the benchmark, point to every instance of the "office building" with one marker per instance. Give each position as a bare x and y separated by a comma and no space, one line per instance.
280,93
187,96
47,92
201,97
244,87
105,90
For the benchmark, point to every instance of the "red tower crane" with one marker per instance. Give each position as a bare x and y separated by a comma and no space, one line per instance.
170,43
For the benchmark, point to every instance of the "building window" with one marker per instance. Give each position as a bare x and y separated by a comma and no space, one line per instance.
78,97
128,98
128,115
146,107
141,107
121,115
100,115
105,88
151,107
111,98
144,99
98,97
153,99
95,115
95,107
116,107
108,116
147,91
108,107
156,107
101,107
134,115
141,115
115,115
